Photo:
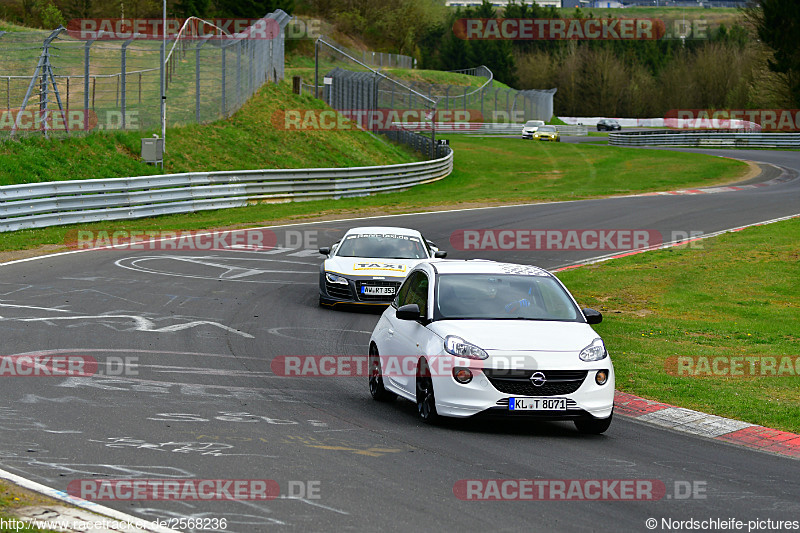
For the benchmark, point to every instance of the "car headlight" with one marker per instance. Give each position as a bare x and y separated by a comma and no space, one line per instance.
594,352
458,346
335,278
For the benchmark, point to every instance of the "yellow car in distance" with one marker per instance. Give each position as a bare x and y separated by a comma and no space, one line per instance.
547,133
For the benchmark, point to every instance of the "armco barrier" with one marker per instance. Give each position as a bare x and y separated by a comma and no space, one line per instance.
496,128
705,139
39,205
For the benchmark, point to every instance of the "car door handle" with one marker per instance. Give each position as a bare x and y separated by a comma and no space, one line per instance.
391,332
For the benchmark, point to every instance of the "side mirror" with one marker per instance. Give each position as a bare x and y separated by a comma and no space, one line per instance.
408,312
592,316
325,250
441,254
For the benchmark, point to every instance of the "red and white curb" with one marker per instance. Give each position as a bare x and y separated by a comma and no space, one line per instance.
709,426
694,422
91,514
707,190
784,176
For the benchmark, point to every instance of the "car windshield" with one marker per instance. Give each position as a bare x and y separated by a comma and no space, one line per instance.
503,297
533,123
382,246
550,129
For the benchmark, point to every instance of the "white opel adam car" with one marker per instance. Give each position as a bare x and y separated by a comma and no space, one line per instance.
463,338
368,265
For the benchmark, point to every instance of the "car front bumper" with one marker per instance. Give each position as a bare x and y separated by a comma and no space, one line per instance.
332,294
481,397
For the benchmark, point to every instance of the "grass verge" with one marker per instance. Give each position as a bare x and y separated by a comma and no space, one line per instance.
252,138
13,497
487,171
732,296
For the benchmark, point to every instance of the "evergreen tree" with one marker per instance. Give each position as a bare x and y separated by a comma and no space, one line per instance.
777,24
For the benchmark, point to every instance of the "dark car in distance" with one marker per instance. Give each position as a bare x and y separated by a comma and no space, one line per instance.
608,124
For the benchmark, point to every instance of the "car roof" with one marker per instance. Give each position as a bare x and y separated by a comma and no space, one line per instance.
386,230
483,266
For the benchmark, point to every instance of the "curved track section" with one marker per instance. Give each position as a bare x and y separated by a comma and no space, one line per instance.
203,328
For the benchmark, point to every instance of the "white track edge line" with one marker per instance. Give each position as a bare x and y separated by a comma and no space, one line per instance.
86,505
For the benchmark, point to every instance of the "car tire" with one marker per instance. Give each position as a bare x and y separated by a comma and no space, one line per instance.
376,388
426,400
593,426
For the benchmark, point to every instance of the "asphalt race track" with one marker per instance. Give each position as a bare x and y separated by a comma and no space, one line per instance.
204,404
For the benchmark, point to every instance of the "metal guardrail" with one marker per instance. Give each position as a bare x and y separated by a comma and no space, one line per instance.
68,202
497,128
565,129
705,139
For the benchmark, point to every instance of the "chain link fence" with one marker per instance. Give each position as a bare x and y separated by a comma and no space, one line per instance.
482,102
339,52
54,83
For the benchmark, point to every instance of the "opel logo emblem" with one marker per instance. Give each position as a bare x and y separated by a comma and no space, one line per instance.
538,379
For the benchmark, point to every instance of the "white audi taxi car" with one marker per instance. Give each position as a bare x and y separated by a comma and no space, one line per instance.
367,266
463,338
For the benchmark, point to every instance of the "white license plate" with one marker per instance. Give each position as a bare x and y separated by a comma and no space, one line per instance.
537,404
377,291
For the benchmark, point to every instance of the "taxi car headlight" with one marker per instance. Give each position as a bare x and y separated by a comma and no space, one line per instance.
594,352
458,346
335,278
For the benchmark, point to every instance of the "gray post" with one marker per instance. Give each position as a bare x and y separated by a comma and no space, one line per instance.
163,71
86,48
123,84
433,132
224,47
